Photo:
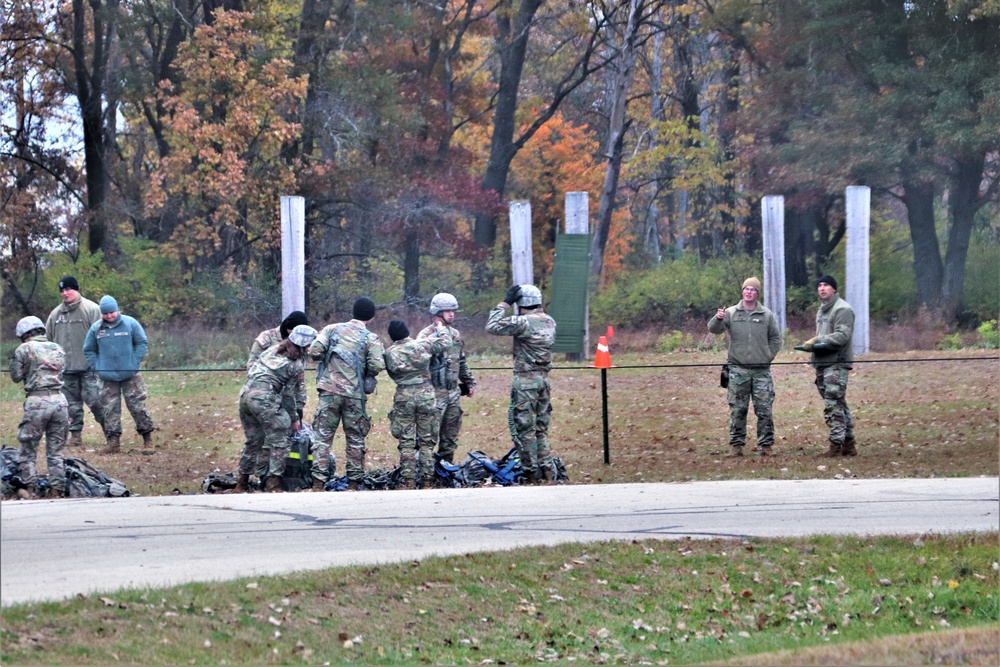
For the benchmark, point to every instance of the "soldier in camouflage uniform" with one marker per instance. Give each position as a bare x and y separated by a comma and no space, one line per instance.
265,406
833,356
39,363
754,340
530,411
450,375
115,347
347,353
265,340
414,419
67,326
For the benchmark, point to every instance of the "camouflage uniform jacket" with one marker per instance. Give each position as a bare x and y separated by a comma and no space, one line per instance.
835,330
264,340
340,377
754,337
38,363
273,373
408,361
458,366
534,334
68,325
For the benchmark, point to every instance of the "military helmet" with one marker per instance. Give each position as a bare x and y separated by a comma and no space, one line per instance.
442,302
27,325
303,335
530,296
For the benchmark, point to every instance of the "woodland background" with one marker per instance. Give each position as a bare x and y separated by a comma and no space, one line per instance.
146,144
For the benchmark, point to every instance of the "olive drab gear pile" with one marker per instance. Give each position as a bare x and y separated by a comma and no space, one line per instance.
82,479
27,325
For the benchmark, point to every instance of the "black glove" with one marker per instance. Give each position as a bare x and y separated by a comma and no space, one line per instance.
513,294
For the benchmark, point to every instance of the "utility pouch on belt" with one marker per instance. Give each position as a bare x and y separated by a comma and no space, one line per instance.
439,367
724,377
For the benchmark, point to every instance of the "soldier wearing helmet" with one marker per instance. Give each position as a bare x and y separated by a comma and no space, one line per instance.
534,333
268,412
450,374
39,364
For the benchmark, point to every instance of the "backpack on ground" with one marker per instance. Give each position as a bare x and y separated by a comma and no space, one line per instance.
10,475
218,482
85,481
298,463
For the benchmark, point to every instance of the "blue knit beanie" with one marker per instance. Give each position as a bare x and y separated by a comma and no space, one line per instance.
108,304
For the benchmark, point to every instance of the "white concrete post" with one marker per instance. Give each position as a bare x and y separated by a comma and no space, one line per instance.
521,266
578,222
293,255
773,214
858,201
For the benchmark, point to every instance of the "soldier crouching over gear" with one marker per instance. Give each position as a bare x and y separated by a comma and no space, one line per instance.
450,375
530,411
265,406
414,416
40,363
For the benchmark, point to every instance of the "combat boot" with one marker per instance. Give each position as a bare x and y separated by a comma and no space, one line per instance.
737,452
147,439
353,485
833,451
766,451
850,449
26,492
74,439
317,484
530,477
114,445
242,484
273,485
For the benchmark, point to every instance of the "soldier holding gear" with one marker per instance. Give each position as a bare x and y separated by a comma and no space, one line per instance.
265,406
40,363
414,417
67,326
534,333
115,347
832,357
450,375
754,340
348,353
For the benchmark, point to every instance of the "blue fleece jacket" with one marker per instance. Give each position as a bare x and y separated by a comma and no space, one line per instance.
116,350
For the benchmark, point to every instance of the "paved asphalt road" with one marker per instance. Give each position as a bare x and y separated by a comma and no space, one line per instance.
55,549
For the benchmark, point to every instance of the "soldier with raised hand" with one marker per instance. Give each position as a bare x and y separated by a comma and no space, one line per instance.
450,375
833,357
754,340
67,326
265,407
530,411
414,417
39,364
115,347
347,353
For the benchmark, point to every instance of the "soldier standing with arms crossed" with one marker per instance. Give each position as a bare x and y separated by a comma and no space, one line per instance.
414,419
39,364
348,353
67,326
450,375
754,340
534,333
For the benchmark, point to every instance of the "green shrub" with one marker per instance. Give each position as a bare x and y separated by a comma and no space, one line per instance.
674,342
989,334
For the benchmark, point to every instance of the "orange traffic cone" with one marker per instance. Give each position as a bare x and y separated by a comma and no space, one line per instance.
603,357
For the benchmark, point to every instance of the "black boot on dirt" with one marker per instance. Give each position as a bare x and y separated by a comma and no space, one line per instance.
850,449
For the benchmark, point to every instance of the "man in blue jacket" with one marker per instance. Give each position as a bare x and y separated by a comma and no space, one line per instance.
115,347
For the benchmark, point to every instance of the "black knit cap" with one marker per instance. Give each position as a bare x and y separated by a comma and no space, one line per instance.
69,282
364,309
398,330
294,319
829,280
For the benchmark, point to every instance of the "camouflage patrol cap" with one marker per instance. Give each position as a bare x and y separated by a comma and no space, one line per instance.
303,335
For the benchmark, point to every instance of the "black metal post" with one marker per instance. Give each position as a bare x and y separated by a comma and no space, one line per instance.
604,409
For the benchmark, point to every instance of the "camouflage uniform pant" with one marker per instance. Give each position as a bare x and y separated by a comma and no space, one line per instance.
529,416
746,384
43,415
450,423
82,388
831,381
414,422
134,392
266,425
333,410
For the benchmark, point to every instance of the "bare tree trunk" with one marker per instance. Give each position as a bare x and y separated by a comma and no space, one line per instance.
919,200
964,201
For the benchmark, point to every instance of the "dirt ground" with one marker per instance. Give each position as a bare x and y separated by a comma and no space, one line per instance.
919,414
